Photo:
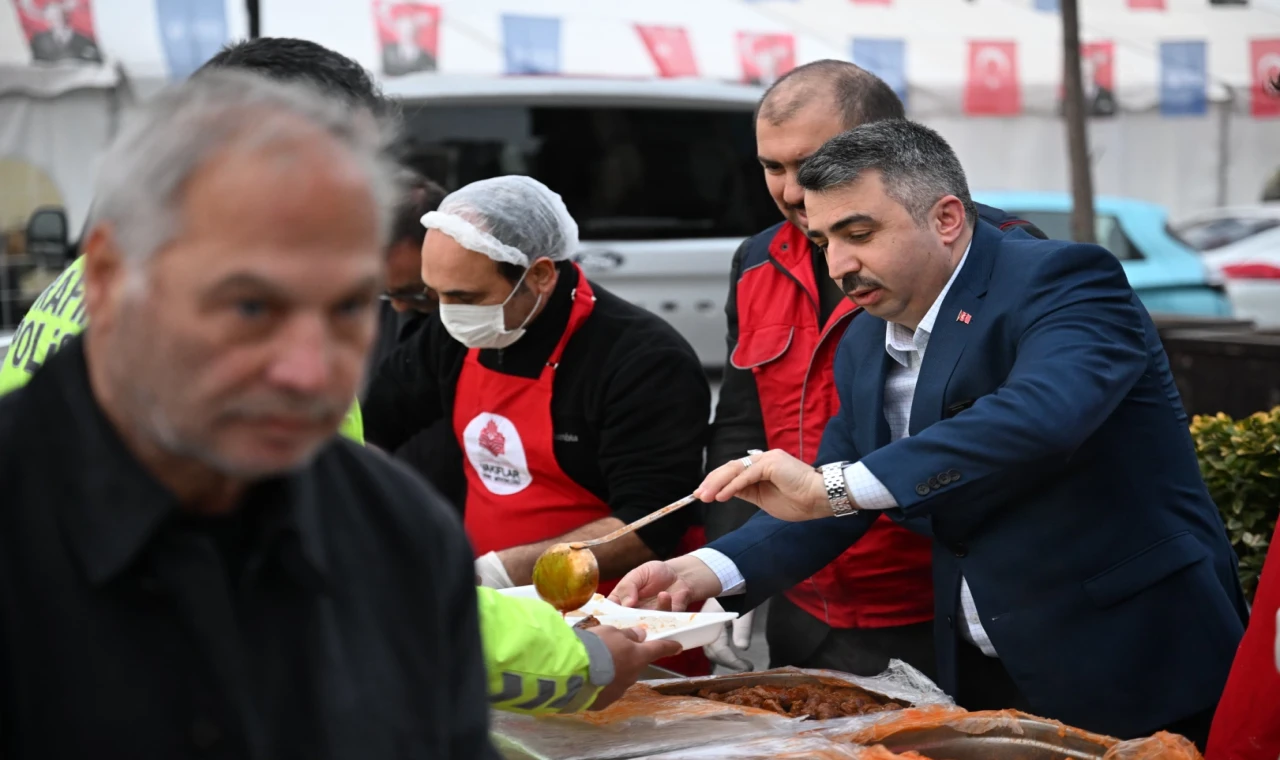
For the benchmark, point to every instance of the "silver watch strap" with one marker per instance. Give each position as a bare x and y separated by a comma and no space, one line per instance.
837,489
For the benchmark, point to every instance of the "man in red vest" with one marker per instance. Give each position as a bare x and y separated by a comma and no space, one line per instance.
576,412
786,315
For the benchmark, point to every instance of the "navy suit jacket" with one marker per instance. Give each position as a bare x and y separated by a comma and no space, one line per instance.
1050,459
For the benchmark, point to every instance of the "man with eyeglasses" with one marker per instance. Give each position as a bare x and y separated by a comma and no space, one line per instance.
407,305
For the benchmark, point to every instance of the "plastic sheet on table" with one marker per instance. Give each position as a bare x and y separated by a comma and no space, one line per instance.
768,748
674,724
1159,746
899,682
972,723
651,718
806,747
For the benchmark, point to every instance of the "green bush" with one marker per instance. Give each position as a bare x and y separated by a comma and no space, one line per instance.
1240,462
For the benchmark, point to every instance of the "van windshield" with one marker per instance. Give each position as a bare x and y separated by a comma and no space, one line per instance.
624,173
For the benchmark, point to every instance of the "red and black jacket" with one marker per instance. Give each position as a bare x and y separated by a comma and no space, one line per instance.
779,392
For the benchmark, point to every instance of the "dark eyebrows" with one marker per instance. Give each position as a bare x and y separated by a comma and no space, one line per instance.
243,282
848,221
240,282
766,161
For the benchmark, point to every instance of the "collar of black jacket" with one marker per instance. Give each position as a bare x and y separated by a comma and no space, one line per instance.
118,507
527,356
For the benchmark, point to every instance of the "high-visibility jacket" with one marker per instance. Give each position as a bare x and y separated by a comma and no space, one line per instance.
536,663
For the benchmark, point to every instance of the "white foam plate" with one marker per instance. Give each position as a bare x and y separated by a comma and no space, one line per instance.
691,629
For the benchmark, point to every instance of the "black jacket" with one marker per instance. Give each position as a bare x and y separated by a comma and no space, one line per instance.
630,403
333,615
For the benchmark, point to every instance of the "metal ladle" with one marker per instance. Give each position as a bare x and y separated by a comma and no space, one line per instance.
566,576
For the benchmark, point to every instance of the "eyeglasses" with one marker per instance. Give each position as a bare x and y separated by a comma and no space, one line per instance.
425,298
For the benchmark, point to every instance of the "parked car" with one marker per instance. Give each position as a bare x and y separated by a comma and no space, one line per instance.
1166,273
660,175
1240,247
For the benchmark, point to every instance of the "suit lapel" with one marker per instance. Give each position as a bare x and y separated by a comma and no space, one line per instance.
951,330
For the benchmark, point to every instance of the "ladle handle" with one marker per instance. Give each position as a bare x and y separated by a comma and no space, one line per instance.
638,524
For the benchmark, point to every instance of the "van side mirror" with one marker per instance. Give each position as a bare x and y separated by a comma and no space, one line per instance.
47,242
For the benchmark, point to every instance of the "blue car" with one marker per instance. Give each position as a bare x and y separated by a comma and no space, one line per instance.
1167,275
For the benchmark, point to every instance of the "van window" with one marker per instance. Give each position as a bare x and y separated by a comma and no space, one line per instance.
624,173
1056,225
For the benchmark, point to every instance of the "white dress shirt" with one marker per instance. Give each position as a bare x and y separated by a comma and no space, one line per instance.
907,350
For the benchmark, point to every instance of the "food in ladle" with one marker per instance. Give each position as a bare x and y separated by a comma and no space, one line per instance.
817,701
566,578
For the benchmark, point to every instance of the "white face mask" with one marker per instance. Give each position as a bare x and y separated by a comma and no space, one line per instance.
484,326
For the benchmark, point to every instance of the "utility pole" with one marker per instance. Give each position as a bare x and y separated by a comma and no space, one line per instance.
255,18
1075,112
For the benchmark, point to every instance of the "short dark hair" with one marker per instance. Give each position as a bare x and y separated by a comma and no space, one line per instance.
291,60
860,96
421,195
916,165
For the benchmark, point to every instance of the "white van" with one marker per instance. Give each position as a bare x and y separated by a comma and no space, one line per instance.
661,175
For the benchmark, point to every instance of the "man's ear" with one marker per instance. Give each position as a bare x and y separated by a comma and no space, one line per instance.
949,218
542,276
105,273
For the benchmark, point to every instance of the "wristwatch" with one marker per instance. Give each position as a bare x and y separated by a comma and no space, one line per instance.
837,489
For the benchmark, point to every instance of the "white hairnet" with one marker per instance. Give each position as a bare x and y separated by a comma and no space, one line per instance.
513,219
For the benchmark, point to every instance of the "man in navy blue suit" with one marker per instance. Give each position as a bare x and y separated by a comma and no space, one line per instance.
1010,398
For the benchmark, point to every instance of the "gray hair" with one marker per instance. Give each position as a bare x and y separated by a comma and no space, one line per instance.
916,165
143,176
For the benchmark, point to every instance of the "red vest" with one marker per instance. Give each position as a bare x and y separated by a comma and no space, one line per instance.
885,579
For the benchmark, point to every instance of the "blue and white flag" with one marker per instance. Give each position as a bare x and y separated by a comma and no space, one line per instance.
886,59
191,32
531,44
1184,78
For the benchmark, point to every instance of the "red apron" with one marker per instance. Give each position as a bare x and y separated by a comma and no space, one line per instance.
516,492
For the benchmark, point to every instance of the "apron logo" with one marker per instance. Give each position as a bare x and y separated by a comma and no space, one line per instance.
493,441
496,451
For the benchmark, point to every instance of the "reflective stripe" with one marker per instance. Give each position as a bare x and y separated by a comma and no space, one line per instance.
512,687
546,690
572,688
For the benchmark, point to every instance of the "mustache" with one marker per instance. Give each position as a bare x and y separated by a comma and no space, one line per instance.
309,409
852,283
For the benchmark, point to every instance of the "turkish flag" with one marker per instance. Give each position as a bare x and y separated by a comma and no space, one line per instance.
1146,5
670,49
992,87
1264,56
765,57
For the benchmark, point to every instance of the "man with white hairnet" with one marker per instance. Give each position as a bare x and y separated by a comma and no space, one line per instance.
576,411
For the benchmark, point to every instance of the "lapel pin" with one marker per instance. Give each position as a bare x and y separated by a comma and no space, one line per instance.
963,316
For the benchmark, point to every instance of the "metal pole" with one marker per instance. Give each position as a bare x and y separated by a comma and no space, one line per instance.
255,18
1074,112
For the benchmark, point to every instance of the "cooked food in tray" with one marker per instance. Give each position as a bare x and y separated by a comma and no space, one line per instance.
590,621
816,701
